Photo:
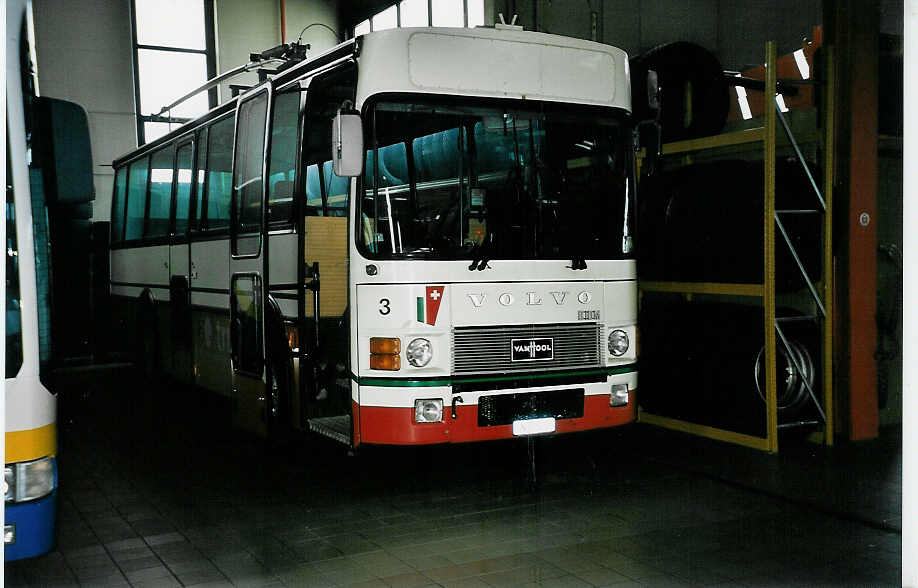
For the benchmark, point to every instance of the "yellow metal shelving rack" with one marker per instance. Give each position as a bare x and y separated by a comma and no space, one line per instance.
821,291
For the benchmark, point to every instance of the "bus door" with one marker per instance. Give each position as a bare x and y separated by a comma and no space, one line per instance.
248,244
326,385
179,362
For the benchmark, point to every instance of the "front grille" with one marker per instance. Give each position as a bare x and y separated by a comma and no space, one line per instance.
506,408
486,350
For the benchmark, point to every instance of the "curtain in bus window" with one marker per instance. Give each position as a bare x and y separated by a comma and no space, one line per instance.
219,171
183,183
336,189
160,193
250,154
136,199
118,205
282,165
442,167
313,191
197,206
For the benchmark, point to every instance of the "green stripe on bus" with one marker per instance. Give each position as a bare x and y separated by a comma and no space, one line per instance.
407,383
420,310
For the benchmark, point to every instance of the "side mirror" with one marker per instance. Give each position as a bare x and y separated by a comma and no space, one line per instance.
347,143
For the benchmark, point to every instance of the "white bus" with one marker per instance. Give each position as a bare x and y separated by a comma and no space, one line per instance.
469,276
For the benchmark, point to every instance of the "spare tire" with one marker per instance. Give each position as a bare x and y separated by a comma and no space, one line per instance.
695,99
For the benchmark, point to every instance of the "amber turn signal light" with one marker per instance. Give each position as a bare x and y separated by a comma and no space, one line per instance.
385,346
385,362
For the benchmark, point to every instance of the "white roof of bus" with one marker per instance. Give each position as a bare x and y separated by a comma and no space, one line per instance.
493,62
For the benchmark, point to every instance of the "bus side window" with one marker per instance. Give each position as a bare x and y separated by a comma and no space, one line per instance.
183,185
326,95
248,180
245,324
197,208
11,287
138,173
219,172
160,193
282,165
118,201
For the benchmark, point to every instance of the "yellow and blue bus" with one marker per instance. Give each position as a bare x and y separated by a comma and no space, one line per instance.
48,188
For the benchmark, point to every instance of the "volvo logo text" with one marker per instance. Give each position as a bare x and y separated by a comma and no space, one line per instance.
532,298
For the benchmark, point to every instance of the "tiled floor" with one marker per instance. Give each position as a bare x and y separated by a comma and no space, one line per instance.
156,496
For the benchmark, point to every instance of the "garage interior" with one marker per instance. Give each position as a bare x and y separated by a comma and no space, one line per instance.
717,483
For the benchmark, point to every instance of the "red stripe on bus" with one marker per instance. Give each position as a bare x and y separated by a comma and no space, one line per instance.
396,426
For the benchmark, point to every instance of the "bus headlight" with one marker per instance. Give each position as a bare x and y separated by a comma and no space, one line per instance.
428,410
28,480
9,484
419,352
619,395
618,343
33,479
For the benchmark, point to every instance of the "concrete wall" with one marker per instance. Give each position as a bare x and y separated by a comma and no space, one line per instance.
84,55
251,26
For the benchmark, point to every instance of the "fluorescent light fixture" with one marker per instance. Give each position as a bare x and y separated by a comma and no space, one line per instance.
779,98
802,64
743,101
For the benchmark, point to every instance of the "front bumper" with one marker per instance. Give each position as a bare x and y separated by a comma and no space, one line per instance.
34,526
386,415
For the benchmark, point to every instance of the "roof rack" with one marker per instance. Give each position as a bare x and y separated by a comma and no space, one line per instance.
286,55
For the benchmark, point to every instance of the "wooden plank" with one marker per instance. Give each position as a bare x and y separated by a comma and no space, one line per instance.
704,431
713,142
326,243
771,387
754,290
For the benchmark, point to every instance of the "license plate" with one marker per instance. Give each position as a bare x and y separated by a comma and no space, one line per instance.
534,426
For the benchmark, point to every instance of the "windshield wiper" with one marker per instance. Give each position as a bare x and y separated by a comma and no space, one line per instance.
481,254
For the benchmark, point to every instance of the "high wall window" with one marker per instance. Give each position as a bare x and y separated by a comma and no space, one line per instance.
173,54
425,13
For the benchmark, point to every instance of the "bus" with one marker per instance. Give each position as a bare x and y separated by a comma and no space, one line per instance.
30,472
419,236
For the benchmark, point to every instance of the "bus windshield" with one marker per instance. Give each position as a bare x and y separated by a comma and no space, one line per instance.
489,181
486,181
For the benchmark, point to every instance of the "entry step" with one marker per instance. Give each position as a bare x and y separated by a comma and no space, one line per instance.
334,427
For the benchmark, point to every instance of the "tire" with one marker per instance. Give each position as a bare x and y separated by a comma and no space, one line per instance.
143,400
279,392
687,74
147,348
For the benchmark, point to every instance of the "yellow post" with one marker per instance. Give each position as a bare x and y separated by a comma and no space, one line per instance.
771,394
828,261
